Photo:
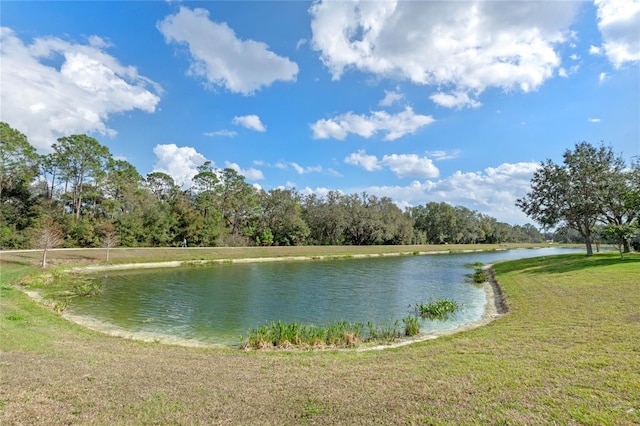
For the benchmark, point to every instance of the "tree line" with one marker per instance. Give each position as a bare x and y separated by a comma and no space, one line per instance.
79,195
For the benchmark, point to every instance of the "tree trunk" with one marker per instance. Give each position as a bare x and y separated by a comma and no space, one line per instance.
589,247
626,245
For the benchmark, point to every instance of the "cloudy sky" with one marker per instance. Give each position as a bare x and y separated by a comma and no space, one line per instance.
417,100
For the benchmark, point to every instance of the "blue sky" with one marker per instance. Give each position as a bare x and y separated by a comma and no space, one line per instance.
416,100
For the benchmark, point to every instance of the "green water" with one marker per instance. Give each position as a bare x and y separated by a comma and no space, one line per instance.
218,303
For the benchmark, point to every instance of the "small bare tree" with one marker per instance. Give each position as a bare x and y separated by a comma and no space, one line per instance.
110,238
47,236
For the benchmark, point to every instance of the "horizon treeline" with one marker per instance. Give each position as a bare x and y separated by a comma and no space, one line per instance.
87,198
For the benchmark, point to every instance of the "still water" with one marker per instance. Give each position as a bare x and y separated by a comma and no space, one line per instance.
219,303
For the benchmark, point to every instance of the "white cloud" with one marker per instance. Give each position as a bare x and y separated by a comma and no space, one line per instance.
391,97
462,46
593,120
240,66
402,165
282,165
602,77
454,100
394,125
563,72
223,133
493,191
251,122
362,159
319,191
46,102
302,170
334,173
181,163
410,165
619,23
444,155
297,168
249,174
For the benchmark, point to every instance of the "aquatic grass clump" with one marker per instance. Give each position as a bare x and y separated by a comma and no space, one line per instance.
441,309
86,289
278,335
411,325
479,276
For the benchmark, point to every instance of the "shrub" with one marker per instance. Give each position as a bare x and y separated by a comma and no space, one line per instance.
479,276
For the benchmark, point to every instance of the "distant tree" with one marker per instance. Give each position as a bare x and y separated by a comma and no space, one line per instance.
162,186
573,193
109,239
47,236
326,218
281,221
206,188
437,220
82,160
622,204
238,203
397,227
468,229
18,159
363,224
121,185
18,203
189,223
621,234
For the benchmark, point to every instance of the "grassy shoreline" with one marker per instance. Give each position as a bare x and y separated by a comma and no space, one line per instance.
567,353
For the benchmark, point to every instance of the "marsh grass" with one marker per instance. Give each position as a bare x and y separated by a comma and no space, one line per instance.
566,353
278,335
339,334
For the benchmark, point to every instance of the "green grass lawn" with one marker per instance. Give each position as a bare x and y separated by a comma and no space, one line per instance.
568,352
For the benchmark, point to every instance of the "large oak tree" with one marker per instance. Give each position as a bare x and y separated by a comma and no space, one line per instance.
574,193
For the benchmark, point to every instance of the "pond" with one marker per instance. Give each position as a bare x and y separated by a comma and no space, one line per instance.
217,304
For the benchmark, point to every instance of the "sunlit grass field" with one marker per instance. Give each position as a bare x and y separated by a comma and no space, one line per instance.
568,352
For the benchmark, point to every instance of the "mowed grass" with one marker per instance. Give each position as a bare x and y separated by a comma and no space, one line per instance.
568,352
